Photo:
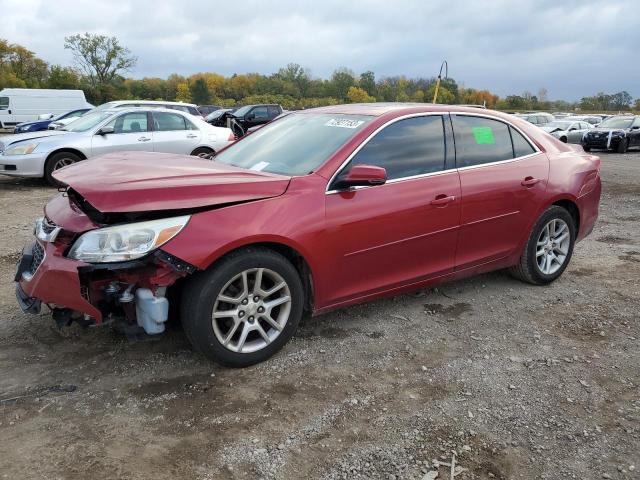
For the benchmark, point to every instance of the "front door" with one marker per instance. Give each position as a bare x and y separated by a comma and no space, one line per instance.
503,180
130,132
401,232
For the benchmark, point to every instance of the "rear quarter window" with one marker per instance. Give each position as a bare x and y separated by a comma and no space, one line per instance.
521,146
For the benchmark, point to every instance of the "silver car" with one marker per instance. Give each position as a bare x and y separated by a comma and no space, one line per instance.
567,131
39,154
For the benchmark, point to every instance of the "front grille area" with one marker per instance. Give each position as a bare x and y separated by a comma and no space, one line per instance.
38,256
48,226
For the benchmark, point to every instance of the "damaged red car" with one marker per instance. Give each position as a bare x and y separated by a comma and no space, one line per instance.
317,210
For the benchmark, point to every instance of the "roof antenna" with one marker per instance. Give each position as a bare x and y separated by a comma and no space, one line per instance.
446,75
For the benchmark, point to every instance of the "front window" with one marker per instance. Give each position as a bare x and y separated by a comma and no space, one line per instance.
4,103
87,122
133,122
294,145
618,122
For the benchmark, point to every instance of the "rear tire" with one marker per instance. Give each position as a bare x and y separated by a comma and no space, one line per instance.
586,149
563,139
56,162
532,267
623,146
229,301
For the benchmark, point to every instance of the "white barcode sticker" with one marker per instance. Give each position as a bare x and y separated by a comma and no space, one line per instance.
344,123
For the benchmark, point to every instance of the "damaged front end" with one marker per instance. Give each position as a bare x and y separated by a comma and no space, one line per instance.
95,274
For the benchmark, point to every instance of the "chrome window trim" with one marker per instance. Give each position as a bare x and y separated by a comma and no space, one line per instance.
368,139
413,177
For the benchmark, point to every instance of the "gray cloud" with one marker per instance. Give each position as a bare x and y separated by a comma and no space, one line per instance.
571,47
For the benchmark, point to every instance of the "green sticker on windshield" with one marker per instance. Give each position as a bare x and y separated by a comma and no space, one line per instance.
483,135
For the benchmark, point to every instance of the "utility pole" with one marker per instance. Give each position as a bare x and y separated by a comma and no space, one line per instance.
446,74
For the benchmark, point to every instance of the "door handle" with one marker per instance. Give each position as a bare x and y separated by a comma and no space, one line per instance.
192,136
529,182
442,200
144,139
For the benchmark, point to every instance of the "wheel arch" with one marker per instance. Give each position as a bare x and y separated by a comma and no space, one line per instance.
203,147
572,207
75,151
291,253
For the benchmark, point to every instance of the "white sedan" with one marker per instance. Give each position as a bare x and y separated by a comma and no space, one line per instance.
567,131
39,154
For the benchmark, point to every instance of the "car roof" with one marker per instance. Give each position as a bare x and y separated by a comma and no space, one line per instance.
152,102
384,108
144,109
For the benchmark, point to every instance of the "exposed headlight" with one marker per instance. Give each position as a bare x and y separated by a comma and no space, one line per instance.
20,149
126,242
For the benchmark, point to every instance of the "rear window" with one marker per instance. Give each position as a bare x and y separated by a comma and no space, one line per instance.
480,140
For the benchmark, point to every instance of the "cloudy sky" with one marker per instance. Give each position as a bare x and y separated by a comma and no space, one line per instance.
573,48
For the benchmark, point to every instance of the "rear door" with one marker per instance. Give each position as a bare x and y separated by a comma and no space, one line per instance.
503,179
174,133
401,232
130,132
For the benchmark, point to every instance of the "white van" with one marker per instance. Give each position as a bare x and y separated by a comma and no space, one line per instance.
19,105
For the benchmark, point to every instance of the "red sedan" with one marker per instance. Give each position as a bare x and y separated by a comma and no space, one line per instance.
318,210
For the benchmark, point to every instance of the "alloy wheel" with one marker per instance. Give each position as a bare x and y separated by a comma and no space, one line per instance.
552,246
63,162
251,310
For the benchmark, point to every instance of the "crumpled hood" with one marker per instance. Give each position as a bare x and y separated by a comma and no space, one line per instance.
144,181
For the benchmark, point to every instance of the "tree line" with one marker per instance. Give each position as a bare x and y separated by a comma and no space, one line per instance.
101,62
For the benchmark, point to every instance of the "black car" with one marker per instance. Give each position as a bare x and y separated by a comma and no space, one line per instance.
615,133
207,109
254,115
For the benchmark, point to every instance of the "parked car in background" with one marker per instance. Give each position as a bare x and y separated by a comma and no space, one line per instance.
61,123
537,118
617,133
254,115
561,115
207,109
39,125
183,107
591,119
101,131
317,210
19,105
567,131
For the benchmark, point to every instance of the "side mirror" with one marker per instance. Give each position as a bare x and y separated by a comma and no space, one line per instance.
364,176
105,131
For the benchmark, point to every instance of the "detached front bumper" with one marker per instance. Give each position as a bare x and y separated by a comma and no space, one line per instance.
601,142
45,276
30,165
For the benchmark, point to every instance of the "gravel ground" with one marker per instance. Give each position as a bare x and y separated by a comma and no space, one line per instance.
506,379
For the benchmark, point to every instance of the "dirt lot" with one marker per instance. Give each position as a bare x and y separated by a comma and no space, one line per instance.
519,381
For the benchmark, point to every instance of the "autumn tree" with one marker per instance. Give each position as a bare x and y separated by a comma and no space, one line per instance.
183,93
359,95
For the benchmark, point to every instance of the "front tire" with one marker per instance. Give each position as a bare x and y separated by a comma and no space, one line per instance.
623,145
586,149
244,309
548,249
202,152
56,162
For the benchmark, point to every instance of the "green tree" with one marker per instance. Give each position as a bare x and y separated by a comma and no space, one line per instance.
341,80
368,82
63,77
101,58
183,93
200,93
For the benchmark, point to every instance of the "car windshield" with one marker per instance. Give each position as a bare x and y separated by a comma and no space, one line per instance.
618,122
561,125
87,121
217,113
294,145
242,111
